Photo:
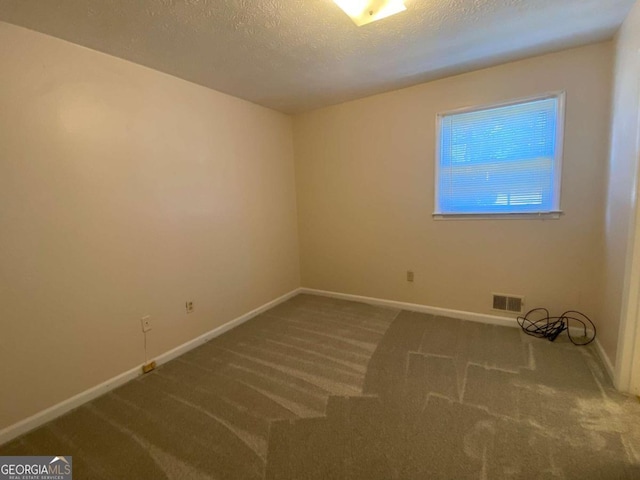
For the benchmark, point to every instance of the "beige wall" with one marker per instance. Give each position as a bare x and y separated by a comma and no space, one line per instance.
365,183
622,173
125,192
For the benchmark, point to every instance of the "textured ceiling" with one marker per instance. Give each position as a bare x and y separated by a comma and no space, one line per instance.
297,55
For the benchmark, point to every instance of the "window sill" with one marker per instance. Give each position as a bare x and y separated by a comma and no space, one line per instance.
499,216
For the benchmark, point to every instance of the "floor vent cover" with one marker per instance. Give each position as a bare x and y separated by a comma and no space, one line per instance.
508,303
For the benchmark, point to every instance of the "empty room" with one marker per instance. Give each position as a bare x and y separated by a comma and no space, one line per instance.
319,239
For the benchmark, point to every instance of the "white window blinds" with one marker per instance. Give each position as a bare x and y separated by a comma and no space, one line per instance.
500,160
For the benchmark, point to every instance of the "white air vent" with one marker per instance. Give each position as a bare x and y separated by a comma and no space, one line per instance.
508,303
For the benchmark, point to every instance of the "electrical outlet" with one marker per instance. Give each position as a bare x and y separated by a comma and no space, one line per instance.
409,276
146,323
189,306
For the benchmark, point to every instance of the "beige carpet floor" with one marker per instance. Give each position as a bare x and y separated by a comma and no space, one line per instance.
319,388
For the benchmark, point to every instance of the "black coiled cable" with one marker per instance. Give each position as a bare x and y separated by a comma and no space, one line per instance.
538,323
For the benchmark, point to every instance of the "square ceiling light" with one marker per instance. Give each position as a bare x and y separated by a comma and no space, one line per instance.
367,11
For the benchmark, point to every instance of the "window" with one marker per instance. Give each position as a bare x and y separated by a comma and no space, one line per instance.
501,160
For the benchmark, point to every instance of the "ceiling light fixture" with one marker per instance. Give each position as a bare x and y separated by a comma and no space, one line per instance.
367,11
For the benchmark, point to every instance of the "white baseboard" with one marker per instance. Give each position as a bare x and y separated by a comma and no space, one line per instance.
605,359
55,411
599,350
463,315
65,406
415,307
216,332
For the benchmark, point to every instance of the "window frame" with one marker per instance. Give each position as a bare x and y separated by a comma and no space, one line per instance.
560,96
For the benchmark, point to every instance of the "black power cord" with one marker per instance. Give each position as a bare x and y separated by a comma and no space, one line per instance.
539,323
